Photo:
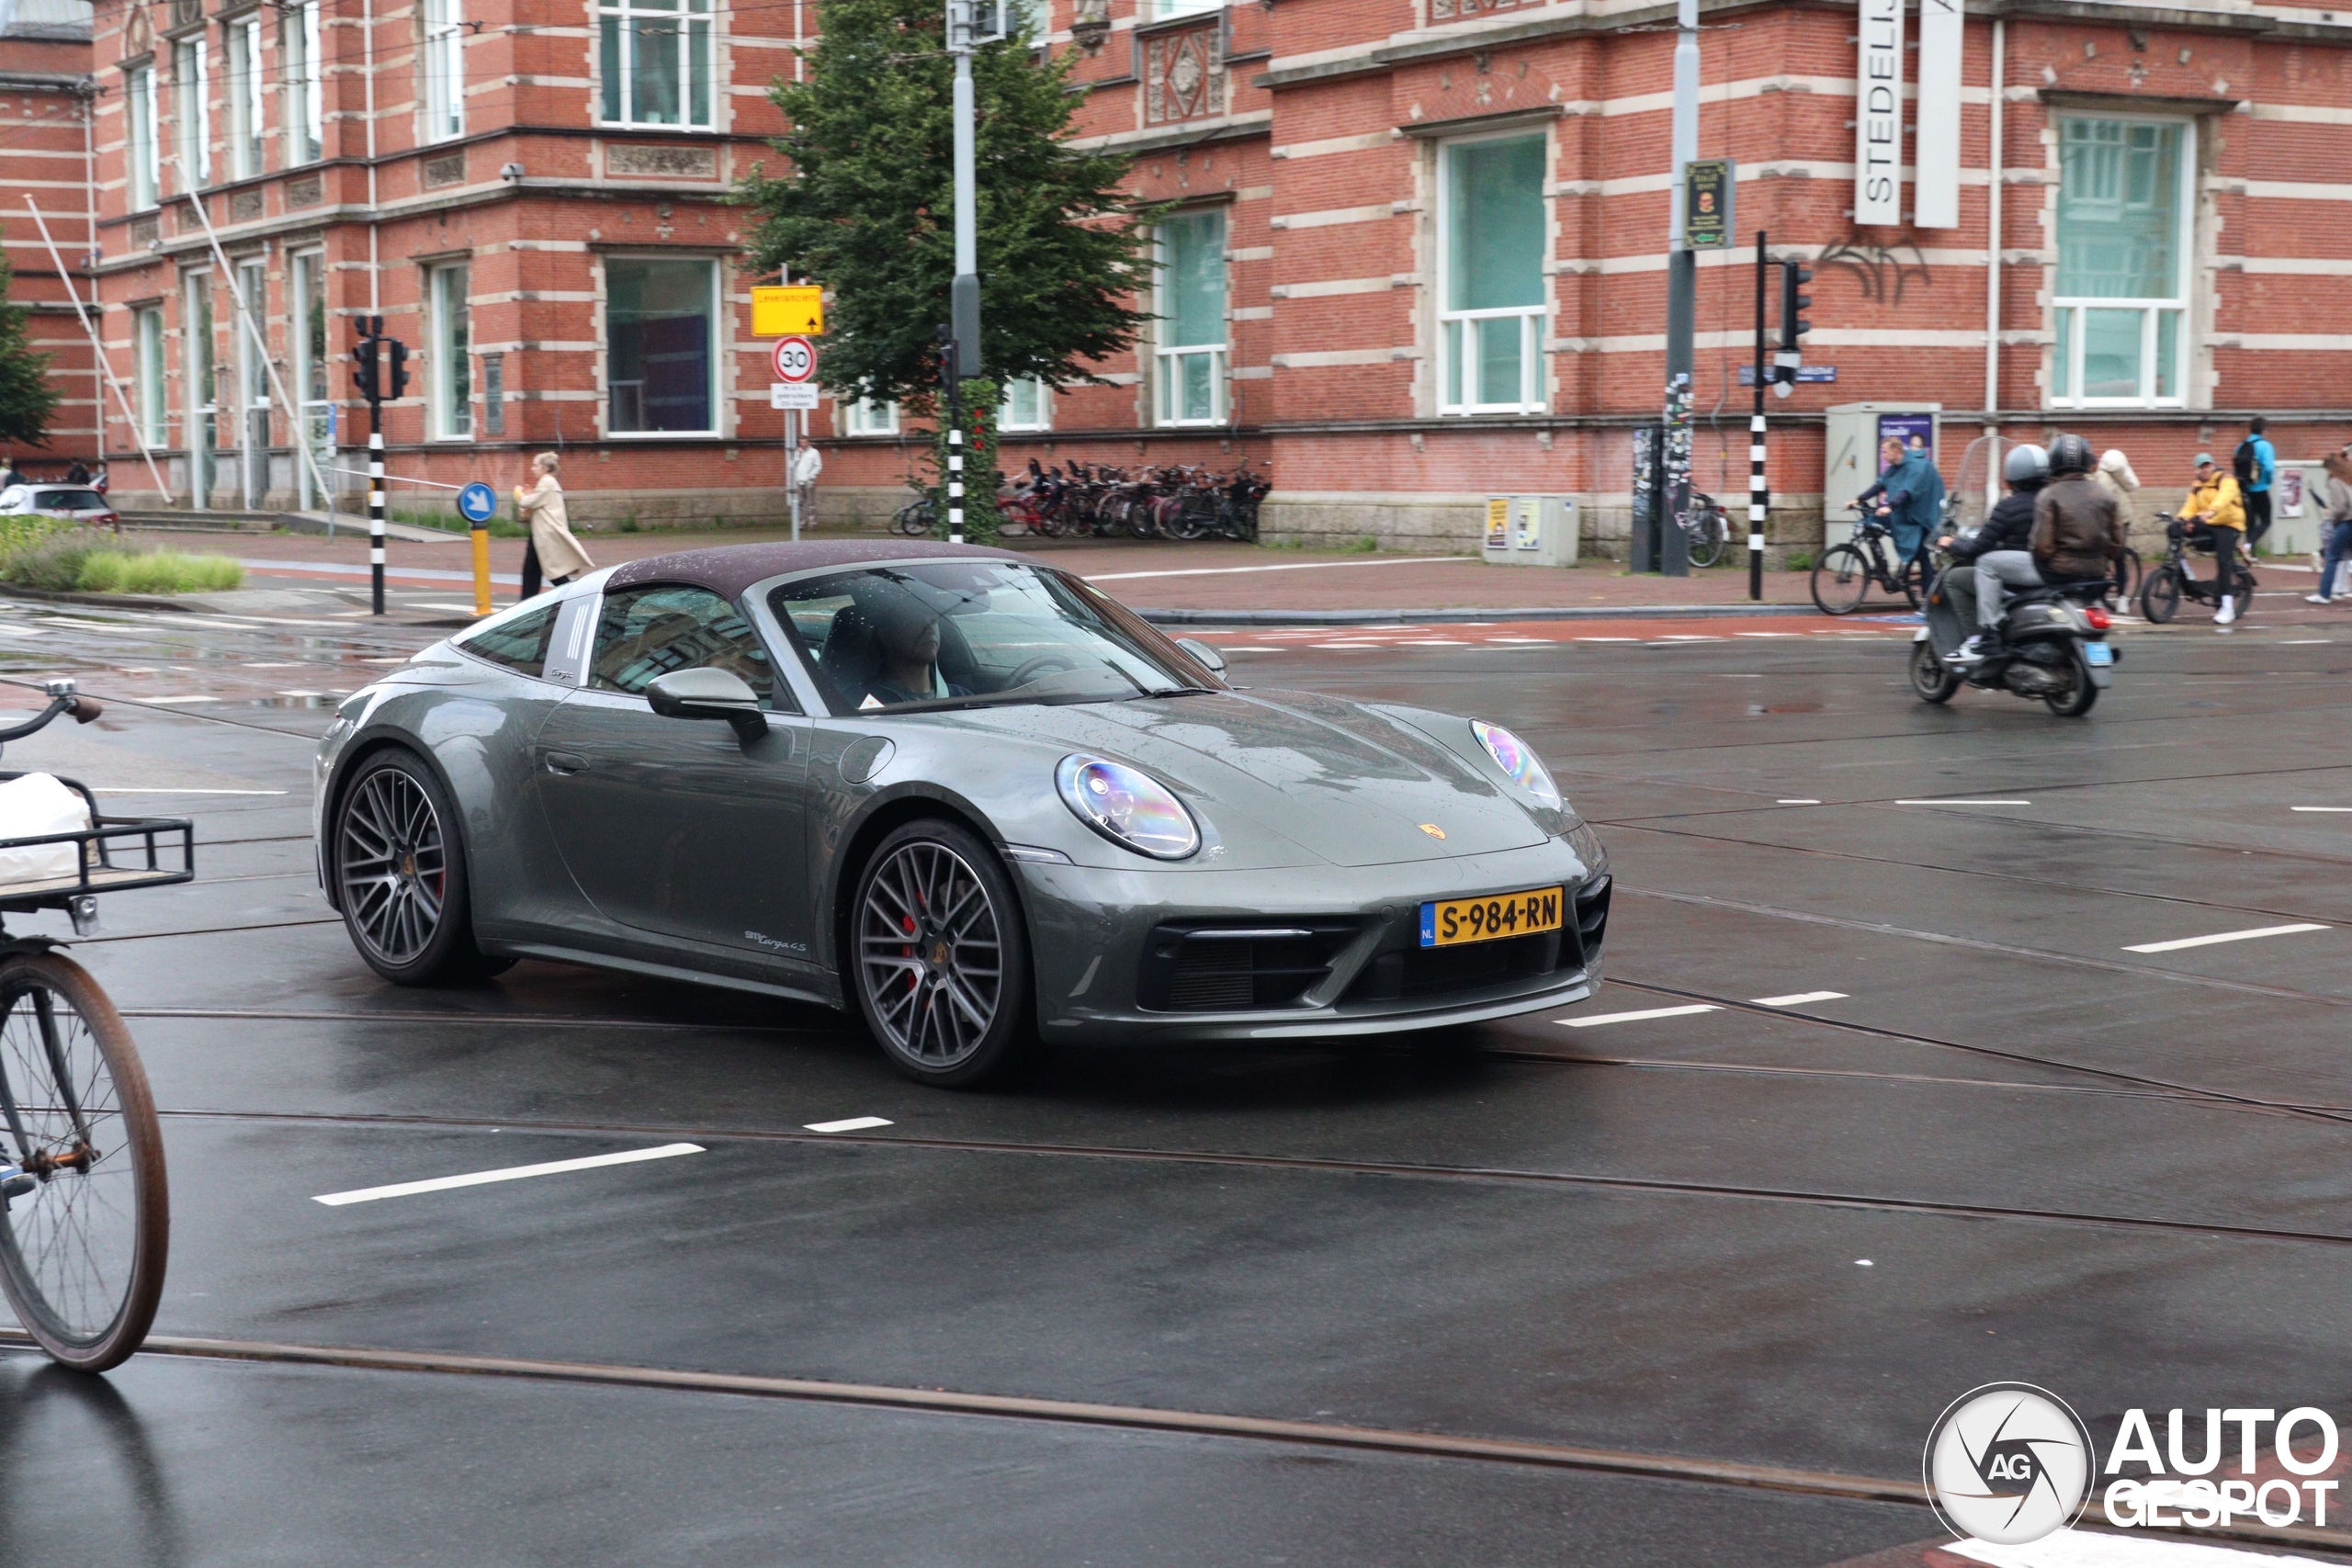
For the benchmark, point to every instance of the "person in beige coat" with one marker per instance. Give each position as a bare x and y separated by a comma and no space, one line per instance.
552,546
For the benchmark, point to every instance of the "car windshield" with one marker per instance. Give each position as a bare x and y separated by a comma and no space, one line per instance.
68,501
959,634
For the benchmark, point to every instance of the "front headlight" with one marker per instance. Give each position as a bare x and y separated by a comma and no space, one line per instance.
1518,763
1127,807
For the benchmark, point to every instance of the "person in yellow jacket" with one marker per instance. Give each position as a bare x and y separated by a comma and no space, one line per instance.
552,546
2215,513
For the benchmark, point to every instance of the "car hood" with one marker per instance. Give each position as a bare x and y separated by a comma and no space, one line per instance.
1346,784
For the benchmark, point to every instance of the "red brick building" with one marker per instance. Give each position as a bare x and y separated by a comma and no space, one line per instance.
528,192
46,153
1420,249
1417,258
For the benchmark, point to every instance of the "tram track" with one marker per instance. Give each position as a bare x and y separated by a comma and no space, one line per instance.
1489,1176
1517,1453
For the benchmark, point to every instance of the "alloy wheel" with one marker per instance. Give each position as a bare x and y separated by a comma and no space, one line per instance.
930,953
393,864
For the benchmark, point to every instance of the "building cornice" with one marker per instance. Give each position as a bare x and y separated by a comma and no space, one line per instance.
1409,50
1188,133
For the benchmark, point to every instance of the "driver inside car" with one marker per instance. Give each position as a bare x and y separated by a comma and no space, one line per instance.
906,635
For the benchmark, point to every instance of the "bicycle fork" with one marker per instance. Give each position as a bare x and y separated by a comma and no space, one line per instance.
34,1165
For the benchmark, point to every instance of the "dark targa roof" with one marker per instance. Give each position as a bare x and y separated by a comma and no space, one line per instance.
731,569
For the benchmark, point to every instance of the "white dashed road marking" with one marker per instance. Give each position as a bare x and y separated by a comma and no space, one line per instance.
1799,999
853,1124
1963,803
1634,1017
512,1173
2177,944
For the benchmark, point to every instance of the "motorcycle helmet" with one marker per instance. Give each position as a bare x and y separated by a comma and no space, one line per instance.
2070,455
2026,467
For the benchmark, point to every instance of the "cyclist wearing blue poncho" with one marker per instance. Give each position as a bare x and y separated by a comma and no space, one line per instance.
1908,497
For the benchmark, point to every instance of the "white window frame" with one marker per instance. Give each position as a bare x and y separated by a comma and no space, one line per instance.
192,83
316,416
619,75
864,416
248,120
449,389
444,50
306,133
1043,419
718,349
1168,10
1167,372
1533,381
144,155
154,399
2070,334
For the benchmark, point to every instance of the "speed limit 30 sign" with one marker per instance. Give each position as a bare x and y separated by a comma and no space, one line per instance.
795,359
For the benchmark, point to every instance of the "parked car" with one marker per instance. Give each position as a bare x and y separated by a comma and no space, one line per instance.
75,503
966,795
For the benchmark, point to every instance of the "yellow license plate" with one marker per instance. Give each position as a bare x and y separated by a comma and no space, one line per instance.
1449,922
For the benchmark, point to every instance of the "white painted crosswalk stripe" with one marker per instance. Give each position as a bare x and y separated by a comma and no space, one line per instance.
2175,946
1799,999
511,1173
1634,1017
851,1124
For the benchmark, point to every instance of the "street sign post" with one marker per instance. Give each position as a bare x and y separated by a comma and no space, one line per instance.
797,395
794,391
789,310
478,503
1709,185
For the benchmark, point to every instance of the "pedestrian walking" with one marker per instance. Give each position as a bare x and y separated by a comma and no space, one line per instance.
2214,514
2114,476
2332,490
552,546
806,466
1909,496
2255,466
79,474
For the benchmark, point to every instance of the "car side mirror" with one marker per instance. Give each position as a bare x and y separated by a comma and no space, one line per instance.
1203,653
708,694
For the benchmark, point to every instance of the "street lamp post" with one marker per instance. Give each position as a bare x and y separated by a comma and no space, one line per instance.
1673,554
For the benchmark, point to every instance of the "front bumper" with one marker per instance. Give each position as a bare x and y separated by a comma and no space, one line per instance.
1103,942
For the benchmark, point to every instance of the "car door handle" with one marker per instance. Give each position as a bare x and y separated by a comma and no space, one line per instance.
566,762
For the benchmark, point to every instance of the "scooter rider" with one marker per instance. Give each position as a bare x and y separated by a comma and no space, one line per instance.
2078,533
2007,530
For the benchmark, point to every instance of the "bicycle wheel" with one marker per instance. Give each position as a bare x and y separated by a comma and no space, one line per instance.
1709,533
2160,594
914,519
86,1226
1841,579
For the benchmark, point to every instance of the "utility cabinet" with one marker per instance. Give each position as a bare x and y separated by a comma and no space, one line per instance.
1852,467
1531,530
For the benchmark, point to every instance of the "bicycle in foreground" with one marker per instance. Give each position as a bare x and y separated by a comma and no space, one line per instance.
84,1214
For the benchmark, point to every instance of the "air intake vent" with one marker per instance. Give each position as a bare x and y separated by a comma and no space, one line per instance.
1237,968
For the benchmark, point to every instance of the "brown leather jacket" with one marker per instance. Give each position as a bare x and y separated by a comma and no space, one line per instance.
2077,529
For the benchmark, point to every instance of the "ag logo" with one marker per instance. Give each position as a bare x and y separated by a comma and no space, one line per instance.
2009,1463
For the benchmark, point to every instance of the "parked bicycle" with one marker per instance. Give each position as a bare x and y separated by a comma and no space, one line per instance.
1845,574
85,1216
1707,528
2174,578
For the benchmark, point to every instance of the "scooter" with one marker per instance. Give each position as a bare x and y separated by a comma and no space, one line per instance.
2054,645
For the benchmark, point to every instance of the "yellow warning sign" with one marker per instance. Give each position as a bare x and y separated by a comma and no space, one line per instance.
796,310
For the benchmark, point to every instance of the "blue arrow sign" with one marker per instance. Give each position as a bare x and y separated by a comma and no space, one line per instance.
478,503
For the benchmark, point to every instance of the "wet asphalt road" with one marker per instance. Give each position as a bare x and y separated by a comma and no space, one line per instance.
2119,1175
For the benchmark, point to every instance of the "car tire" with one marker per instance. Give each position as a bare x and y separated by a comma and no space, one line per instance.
937,957
400,870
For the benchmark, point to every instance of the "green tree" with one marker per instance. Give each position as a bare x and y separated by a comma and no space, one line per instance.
28,397
868,207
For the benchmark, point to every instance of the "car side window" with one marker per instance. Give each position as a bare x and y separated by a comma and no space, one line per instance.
645,632
519,644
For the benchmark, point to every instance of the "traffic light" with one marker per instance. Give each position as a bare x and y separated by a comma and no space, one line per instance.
1794,326
400,368
365,373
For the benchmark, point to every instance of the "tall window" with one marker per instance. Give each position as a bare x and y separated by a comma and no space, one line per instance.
196,359
307,299
445,70
1028,405
866,417
154,418
2122,290
1491,249
452,398
305,89
193,84
246,90
656,61
661,345
139,105
1192,325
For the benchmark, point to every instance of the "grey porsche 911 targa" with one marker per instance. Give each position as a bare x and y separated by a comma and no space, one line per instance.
962,793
